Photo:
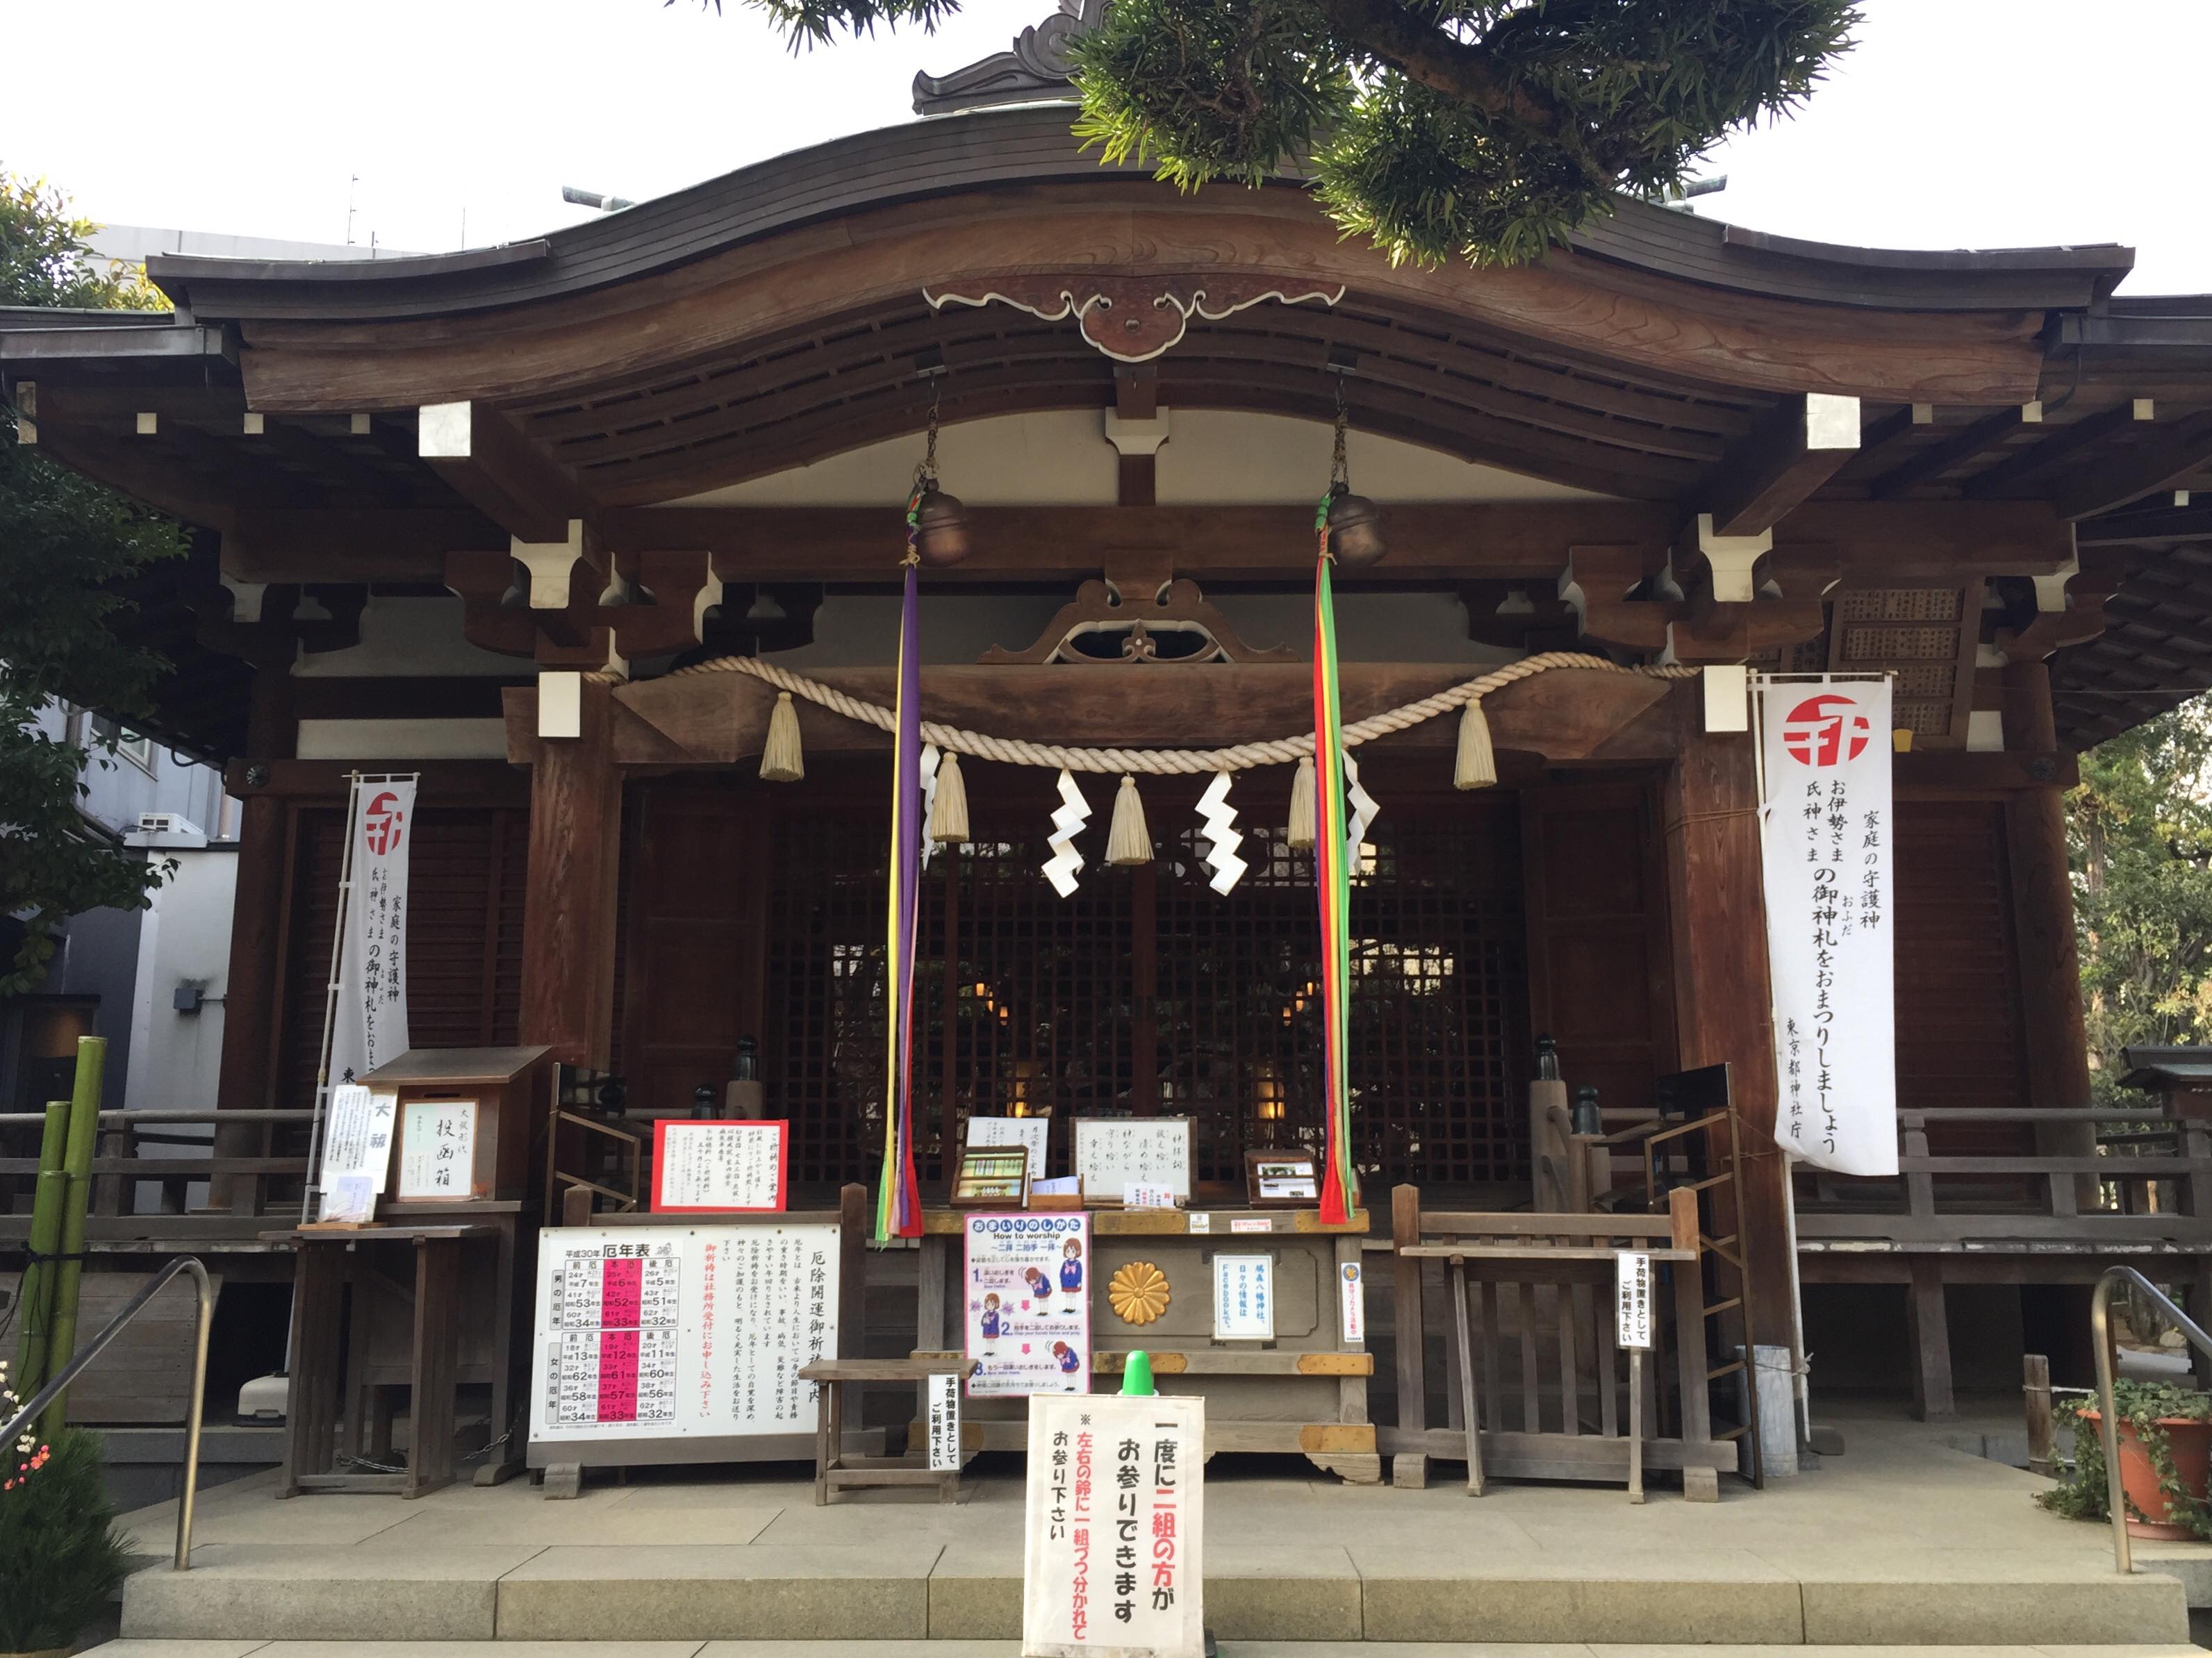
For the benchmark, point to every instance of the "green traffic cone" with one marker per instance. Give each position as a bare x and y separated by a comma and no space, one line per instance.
1137,1375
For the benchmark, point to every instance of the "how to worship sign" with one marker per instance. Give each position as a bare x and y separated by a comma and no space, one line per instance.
1827,835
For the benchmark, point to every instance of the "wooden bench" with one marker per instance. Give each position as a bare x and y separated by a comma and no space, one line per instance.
835,1471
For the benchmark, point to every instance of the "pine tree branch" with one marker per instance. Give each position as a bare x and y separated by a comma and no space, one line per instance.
1459,69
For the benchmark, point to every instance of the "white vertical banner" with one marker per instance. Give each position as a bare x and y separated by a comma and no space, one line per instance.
1827,835
370,1026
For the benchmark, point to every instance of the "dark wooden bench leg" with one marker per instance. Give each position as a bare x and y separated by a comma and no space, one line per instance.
1929,1335
436,1360
311,1421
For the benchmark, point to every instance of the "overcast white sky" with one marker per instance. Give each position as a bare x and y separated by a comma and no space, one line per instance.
1956,124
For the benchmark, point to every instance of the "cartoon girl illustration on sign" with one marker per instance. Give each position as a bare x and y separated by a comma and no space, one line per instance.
1040,1286
1065,1357
1071,1273
990,1319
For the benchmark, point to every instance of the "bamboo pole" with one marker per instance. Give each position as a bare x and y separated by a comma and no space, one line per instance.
68,1278
37,1291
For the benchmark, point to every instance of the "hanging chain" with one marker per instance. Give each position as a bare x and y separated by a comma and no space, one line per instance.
1340,471
925,479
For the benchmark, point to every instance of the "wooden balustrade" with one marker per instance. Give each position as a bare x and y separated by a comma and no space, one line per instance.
146,1165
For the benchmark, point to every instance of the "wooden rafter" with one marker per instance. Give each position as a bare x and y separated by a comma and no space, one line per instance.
2159,463
1771,471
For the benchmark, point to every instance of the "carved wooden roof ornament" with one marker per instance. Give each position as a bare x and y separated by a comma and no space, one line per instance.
1136,319
1035,69
1138,616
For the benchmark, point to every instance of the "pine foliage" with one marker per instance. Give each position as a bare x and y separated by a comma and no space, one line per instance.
61,1557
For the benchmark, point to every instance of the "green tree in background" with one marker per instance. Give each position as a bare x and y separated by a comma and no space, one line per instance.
1477,129
2140,824
65,544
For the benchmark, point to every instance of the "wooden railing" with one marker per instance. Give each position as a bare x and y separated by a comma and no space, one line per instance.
2127,1175
145,1168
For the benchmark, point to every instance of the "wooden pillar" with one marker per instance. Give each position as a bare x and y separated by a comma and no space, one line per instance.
1723,1005
569,916
2043,904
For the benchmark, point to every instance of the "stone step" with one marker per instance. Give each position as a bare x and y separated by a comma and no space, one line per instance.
966,1592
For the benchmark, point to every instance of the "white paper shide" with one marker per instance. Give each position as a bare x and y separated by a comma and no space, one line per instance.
1827,836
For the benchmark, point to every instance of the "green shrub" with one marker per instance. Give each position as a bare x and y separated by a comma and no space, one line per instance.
61,1557
2081,1494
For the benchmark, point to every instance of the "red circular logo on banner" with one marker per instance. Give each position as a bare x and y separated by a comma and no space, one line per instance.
1825,731
380,824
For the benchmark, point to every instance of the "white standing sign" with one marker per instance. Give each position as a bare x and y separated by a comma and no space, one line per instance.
1243,1298
1112,1564
1033,1133
356,1151
661,1332
370,1028
944,1423
1827,835
1026,1301
1632,1294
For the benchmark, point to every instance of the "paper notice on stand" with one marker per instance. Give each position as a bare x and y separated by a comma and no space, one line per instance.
1631,1284
1112,1563
356,1151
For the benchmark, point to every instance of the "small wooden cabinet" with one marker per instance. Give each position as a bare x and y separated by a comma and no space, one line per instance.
467,1116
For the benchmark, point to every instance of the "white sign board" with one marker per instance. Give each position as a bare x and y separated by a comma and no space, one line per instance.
717,1167
943,1423
1243,1298
437,1148
356,1151
1827,836
660,1331
1027,1304
1111,1562
1136,1195
371,1026
1035,1132
1114,1153
1353,1314
1632,1294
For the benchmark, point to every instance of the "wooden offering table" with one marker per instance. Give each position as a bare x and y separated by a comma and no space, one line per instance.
1302,1389
324,1387
835,1468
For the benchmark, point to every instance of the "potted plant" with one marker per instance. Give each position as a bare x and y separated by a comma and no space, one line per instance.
61,1557
2166,1456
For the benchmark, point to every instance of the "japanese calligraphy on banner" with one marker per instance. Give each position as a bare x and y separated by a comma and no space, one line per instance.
718,1167
1243,1298
437,1148
370,1028
661,1332
1116,1512
1631,1297
1027,1304
356,1151
1827,835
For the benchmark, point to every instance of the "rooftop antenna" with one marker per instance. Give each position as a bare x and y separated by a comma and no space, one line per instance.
351,181
594,198
1677,199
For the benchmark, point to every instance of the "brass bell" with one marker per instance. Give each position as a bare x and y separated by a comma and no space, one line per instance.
1355,531
941,530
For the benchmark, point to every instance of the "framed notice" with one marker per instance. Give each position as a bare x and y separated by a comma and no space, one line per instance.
661,1332
1106,1475
1281,1179
1112,1154
357,1133
437,1150
718,1167
1026,1303
992,1177
1033,1133
1243,1298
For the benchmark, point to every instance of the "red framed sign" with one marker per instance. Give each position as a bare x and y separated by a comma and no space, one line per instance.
719,1167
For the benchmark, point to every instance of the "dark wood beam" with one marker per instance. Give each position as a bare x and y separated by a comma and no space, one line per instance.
2022,464
2143,468
1945,453
497,468
1772,470
397,543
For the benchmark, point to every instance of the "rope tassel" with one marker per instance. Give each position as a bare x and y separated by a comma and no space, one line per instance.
1128,842
948,809
1477,765
782,761
1300,835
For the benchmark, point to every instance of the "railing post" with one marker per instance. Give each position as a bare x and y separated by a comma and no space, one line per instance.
1919,1184
36,1290
2108,1424
1406,1316
68,1278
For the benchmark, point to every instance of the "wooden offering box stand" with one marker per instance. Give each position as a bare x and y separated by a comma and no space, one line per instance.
1305,1391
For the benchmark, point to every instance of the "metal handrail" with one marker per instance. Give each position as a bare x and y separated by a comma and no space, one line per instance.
92,1349
2108,1421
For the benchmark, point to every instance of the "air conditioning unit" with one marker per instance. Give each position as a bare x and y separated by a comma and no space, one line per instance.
157,822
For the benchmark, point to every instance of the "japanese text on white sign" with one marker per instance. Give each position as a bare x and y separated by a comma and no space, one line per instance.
1033,1133
1632,1291
1243,1298
944,1423
371,1026
1114,1153
437,1148
1827,836
718,1167
356,1151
